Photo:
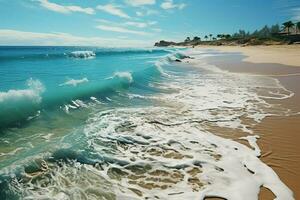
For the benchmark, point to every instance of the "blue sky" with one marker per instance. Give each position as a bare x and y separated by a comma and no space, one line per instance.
133,22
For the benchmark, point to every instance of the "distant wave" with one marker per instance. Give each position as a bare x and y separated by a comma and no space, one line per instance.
130,51
75,82
122,75
83,54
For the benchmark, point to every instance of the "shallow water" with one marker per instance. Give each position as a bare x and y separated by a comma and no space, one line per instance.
90,123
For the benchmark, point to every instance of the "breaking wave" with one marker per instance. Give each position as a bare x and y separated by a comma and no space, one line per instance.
75,82
32,94
83,54
22,104
122,75
63,52
18,103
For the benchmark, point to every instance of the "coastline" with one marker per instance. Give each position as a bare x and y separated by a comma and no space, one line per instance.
182,118
279,137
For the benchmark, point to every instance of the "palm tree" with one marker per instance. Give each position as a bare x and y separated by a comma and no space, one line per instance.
288,25
196,38
220,36
187,39
298,26
206,37
210,35
227,36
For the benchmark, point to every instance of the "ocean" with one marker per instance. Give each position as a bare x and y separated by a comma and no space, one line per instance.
128,123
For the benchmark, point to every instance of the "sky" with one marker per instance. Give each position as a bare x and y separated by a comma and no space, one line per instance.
133,23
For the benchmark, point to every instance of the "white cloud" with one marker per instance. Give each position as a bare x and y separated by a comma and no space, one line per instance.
169,4
137,24
15,37
114,10
157,29
152,23
141,24
137,3
146,12
65,9
296,14
138,13
120,29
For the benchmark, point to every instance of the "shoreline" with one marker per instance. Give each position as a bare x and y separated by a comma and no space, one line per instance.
280,54
278,134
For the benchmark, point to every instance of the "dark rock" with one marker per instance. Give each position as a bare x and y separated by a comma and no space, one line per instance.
163,43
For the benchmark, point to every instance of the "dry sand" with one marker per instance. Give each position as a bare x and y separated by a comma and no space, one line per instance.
280,136
280,54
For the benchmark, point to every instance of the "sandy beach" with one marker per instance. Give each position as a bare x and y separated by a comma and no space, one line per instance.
280,54
279,135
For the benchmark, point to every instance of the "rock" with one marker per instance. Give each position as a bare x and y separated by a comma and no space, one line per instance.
163,43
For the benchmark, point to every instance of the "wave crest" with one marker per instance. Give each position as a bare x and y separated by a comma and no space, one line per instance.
35,88
18,105
75,82
83,54
122,75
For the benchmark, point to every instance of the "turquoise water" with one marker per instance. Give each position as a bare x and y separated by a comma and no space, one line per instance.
37,77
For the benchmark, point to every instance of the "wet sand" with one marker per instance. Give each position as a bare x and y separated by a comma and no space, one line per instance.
279,135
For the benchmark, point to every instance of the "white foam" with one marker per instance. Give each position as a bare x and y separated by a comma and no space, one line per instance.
252,141
76,104
107,98
47,137
95,99
11,153
66,109
75,82
32,94
80,103
38,113
238,174
83,54
71,106
122,75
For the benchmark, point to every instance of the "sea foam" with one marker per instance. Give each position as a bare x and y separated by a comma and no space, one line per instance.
162,140
123,76
83,54
75,82
32,93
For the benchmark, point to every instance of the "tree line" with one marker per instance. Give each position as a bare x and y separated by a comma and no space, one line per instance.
265,32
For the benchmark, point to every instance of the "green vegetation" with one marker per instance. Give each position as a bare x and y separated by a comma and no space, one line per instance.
298,27
288,25
289,33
